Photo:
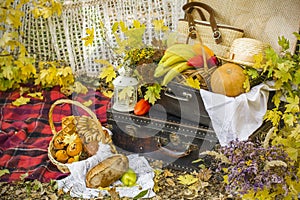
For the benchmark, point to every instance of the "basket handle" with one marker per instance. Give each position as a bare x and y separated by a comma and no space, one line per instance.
192,27
76,103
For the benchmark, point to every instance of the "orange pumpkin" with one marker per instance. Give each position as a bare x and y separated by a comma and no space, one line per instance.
228,80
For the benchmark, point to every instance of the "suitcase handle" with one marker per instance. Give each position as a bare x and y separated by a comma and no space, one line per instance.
172,153
185,96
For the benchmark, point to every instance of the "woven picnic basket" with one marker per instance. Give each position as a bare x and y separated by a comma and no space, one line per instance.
92,131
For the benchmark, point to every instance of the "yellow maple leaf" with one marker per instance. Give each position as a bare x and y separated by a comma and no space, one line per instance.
194,83
187,179
108,73
108,93
159,25
90,37
21,101
38,95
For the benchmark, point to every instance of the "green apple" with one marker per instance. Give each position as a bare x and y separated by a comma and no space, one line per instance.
129,178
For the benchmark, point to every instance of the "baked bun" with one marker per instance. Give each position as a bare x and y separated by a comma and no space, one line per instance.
107,172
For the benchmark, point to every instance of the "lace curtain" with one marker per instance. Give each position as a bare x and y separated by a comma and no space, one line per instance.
60,38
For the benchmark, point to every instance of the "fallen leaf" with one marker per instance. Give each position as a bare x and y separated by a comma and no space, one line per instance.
167,173
187,179
21,101
170,182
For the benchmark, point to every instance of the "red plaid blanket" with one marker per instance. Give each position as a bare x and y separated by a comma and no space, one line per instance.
25,132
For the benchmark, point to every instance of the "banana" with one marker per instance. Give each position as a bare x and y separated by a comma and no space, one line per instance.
183,50
173,60
180,50
172,73
161,70
166,56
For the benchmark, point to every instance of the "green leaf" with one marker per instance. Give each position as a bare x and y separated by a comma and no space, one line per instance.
293,104
284,43
293,153
289,119
153,93
141,194
8,72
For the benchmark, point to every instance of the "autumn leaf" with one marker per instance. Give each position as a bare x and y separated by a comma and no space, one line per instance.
37,95
89,38
167,173
170,182
8,72
4,171
187,179
153,93
159,25
293,104
79,88
108,93
21,101
126,92
88,103
108,73
194,83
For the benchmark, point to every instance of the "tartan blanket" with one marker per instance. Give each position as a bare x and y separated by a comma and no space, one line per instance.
25,132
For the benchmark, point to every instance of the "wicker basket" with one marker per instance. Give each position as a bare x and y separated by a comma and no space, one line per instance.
99,135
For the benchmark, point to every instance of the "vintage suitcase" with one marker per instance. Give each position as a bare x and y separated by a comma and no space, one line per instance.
184,102
159,136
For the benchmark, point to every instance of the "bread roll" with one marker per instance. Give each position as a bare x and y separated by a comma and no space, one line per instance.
107,171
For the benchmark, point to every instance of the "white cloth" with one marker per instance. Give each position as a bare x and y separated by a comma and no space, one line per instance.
236,117
75,182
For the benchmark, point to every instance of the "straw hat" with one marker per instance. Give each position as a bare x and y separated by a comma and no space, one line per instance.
242,51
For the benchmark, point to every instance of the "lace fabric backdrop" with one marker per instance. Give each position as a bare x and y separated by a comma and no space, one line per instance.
60,38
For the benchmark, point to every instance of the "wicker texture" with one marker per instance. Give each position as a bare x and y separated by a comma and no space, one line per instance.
60,38
204,29
242,51
98,134
263,20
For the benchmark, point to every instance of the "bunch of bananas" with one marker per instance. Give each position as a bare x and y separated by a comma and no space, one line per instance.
174,62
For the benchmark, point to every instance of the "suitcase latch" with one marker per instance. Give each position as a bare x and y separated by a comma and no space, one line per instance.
185,96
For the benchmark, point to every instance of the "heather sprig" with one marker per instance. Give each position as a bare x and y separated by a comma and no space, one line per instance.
253,169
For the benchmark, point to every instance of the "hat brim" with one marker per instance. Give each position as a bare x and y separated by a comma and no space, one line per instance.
249,64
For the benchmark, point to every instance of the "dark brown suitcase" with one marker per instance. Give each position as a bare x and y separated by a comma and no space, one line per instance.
183,102
159,136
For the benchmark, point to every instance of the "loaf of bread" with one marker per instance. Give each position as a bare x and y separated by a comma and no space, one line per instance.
107,172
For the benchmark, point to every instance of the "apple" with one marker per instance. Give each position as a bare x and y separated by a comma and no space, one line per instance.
129,178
